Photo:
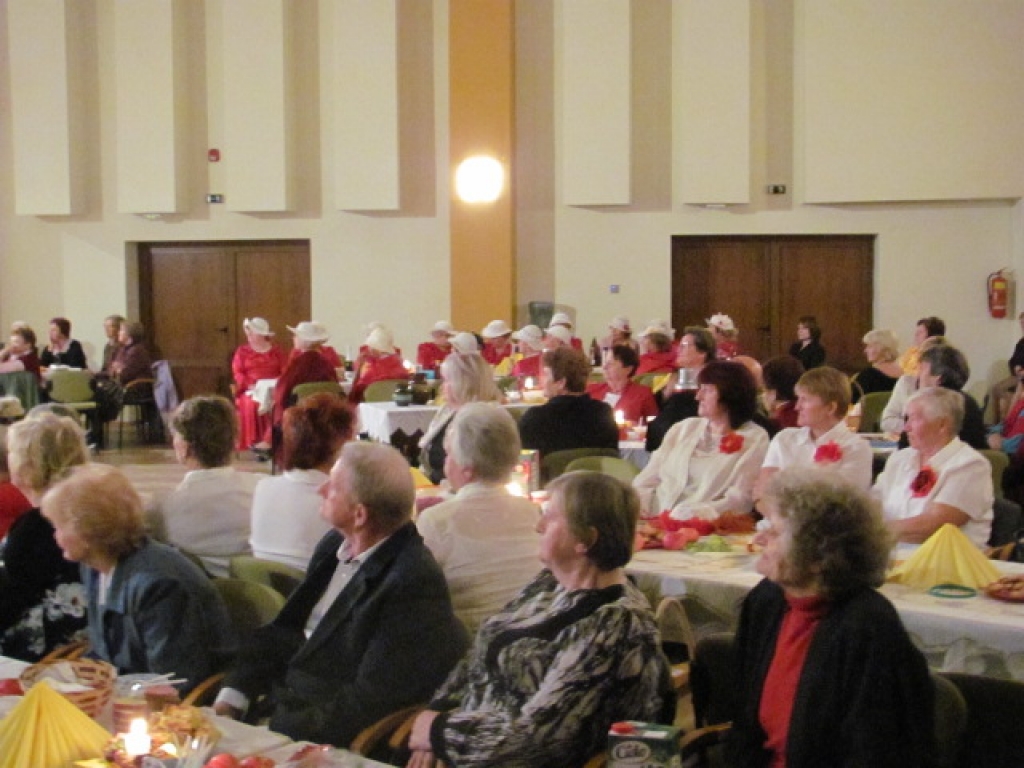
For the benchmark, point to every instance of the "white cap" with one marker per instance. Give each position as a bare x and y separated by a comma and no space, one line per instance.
659,326
443,326
721,322
258,326
465,342
310,331
530,335
560,318
620,323
561,333
496,328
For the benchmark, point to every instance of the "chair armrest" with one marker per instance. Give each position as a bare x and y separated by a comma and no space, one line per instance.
372,735
198,694
700,740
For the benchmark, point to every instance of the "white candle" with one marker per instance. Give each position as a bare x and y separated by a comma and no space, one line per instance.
529,382
137,741
620,418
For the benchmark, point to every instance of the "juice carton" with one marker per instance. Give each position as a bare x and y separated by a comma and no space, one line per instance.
643,745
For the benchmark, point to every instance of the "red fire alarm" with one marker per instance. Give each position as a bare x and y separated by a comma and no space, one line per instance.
213,155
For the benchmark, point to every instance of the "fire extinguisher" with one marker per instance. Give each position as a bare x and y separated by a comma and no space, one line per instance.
998,294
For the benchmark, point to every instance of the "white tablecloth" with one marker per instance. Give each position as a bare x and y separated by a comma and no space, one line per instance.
977,635
634,452
381,420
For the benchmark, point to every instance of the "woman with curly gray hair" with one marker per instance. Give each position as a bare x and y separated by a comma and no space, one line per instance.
828,674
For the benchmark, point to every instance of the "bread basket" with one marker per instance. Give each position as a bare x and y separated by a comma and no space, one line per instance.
98,675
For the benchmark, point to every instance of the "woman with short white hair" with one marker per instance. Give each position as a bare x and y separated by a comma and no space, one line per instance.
484,538
939,479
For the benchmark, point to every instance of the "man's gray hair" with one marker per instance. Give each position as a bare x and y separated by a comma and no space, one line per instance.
379,478
485,438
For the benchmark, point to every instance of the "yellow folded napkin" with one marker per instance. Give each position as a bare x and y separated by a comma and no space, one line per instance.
45,730
419,480
947,557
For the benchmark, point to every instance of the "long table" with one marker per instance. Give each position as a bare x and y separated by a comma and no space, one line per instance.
381,421
978,635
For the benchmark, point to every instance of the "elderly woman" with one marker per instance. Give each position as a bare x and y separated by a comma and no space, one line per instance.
696,349
20,353
780,377
132,360
531,347
286,521
906,385
430,354
380,362
807,347
307,364
881,349
497,342
828,674
707,465
821,437
635,401
150,608
484,538
657,354
42,602
207,515
945,366
259,358
112,330
13,503
465,379
726,336
927,328
62,349
939,479
574,652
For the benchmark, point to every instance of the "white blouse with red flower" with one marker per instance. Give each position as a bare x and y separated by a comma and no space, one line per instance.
694,474
959,477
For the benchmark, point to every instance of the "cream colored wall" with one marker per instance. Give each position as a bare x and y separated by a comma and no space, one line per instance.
930,258
389,267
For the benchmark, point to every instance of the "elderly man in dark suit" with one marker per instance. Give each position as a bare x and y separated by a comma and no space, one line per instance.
369,631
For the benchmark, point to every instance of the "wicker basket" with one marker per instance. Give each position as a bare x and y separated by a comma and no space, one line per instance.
98,675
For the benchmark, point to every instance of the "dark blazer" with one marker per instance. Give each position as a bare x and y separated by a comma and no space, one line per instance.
812,356
569,421
388,641
162,615
864,697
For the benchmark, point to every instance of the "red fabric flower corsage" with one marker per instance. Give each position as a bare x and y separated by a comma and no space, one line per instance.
731,443
828,453
923,482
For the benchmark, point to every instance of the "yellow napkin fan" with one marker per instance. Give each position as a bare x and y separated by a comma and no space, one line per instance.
45,730
419,480
947,557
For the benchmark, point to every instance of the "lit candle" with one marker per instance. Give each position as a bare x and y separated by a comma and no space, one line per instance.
137,741
515,489
620,418
529,382
409,366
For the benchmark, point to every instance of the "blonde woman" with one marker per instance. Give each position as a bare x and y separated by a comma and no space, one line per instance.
882,351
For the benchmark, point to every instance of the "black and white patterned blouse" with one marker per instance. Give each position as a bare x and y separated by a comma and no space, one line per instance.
548,675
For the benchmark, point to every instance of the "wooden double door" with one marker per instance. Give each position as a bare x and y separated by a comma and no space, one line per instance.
195,296
766,283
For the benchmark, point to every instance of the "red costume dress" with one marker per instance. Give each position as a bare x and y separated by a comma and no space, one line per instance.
528,366
327,353
247,367
635,401
429,355
308,367
656,362
377,369
493,355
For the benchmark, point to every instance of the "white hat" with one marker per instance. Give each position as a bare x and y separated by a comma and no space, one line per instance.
620,323
258,326
11,407
310,331
496,328
530,335
721,322
561,333
465,342
443,326
659,326
380,340
560,318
